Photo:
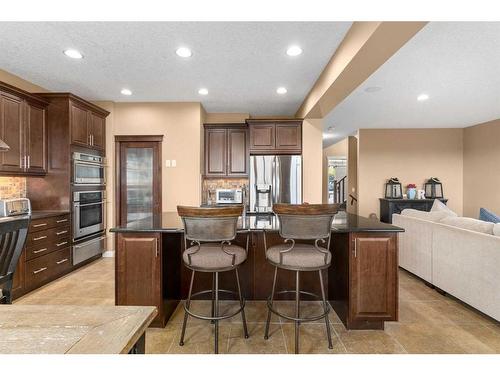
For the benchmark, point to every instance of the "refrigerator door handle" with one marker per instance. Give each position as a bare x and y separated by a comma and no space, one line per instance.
273,181
277,172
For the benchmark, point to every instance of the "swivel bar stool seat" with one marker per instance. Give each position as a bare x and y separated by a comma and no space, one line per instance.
209,232
311,224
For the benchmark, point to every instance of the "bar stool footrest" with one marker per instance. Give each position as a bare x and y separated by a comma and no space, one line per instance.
212,318
305,319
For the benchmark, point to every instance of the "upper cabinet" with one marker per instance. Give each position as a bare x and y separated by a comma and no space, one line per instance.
275,137
226,150
86,121
23,128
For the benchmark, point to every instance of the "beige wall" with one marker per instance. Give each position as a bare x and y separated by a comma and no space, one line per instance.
482,168
18,82
412,155
338,149
312,155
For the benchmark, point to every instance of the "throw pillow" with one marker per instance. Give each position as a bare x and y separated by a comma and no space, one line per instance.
439,206
487,215
424,215
469,223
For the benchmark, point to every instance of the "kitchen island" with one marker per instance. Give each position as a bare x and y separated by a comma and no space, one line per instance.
362,282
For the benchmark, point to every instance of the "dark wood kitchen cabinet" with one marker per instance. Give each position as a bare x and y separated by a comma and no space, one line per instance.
365,292
275,136
226,151
87,127
23,128
138,272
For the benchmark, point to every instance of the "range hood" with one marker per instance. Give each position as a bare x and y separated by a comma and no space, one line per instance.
3,146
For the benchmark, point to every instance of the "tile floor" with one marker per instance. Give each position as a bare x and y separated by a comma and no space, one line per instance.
428,322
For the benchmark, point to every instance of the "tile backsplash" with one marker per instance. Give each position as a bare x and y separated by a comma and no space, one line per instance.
210,185
12,187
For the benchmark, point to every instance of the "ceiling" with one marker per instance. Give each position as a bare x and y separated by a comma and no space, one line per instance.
456,63
241,64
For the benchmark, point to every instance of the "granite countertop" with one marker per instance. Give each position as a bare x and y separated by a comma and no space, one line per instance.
170,222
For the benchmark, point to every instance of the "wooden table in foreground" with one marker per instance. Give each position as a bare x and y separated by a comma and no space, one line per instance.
361,283
45,329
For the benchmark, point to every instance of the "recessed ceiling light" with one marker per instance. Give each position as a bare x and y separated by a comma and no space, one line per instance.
183,52
330,128
327,135
203,91
281,90
422,97
73,53
373,89
126,92
294,51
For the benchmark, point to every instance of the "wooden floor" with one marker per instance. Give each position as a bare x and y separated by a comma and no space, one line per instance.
429,322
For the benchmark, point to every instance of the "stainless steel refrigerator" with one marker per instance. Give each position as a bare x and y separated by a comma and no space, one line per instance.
274,179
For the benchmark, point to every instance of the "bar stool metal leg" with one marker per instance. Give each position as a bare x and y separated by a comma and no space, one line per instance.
325,307
266,334
188,303
245,329
213,297
297,313
216,312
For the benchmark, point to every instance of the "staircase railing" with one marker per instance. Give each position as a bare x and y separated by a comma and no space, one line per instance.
339,190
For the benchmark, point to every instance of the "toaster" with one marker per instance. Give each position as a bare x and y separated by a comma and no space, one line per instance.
17,206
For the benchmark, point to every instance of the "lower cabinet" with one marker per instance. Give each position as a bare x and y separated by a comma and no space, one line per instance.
138,272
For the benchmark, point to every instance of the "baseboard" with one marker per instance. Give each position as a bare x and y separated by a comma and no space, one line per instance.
108,254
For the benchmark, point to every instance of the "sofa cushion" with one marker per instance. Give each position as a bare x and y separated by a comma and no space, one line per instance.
439,206
489,216
424,215
469,223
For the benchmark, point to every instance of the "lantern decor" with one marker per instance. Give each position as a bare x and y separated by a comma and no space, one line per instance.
433,188
393,189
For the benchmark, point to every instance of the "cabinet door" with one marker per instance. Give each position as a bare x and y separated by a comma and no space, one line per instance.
36,139
98,131
373,277
79,125
262,137
18,280
237,152
289,137
11,132
215,152
139,270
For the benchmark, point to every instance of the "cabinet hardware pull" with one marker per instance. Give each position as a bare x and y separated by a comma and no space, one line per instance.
61,221
29,161
39,225
40,270
61,232
39,238
39,251
355,248
61,243
156,248
62,261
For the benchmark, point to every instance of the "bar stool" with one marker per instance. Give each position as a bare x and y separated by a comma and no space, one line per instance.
210,232
305,222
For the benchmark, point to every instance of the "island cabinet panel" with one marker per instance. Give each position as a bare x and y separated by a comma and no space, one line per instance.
215,152
139,271
373,272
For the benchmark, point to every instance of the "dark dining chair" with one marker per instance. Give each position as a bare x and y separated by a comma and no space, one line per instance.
13,232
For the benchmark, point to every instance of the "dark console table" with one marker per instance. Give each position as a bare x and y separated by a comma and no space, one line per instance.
395,206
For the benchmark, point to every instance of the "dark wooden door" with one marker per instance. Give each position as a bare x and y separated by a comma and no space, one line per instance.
138,179
11,132
289,136
80,120
373,277
98,131
139,270
237,152
262,137
215,152
36,139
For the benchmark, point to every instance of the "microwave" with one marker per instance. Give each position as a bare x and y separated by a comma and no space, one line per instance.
228,196
88,169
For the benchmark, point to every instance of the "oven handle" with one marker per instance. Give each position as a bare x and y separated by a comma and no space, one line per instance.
96,164
90,242
88,204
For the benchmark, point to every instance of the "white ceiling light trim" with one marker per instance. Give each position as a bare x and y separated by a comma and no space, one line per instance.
73,53
184,52
126,92
294,51
422,97
203,91
281,90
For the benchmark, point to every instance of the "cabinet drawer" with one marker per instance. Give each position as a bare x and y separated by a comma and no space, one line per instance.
44,248
49,222
52,235
45,267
